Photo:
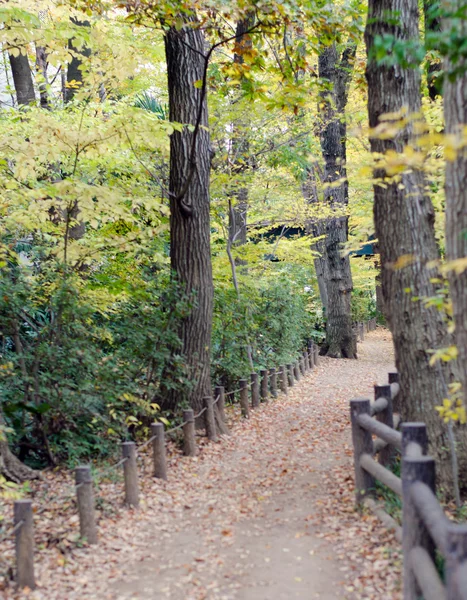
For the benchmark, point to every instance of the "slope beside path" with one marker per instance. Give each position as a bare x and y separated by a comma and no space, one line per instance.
266,514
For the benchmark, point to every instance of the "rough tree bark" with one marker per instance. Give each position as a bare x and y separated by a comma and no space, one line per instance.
455,114
340,341
22,78
404,219
190,252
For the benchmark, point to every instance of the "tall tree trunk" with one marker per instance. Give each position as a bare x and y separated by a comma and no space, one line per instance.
75,67
340,340
240,148
404,220
22,78
455,113
41,67
190,250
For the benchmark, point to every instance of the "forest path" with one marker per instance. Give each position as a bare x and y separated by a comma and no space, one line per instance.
263,515
244,525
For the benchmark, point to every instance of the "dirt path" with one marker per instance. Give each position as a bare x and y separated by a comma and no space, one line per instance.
246,520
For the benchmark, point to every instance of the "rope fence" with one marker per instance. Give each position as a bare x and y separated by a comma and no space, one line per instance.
426,531
259,388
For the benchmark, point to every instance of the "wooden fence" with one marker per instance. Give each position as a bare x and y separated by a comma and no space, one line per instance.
428,537
259,389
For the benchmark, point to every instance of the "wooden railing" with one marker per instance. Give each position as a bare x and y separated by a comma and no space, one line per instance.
426,532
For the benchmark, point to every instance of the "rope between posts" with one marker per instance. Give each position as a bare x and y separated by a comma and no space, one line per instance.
112,467
12,531
149,441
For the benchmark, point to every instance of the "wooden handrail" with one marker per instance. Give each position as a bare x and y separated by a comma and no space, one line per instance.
379,405
426,575
379,429
431,513
393,482
395,389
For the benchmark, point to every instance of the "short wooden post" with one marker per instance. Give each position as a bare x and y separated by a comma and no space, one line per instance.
130,474
316,355
301,364
209,419
311,362
306,364
283,379
273,381
264,384
386,455
296,371
456,562
219,392
24,544
290,375
414,432
244,398
414,531
362,444
254,390
189,441
159,450
362,334
85,501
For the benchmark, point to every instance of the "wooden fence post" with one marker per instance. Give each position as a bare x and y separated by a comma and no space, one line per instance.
219,392
296,371
209,419
24,544
264,384
254,390
159,450
85,501
316,354
306,364
456,562
244,398
362,334
290,374
362,444
301,365
189,441
414,432
414,531
386,455
273,381
283,379
309,356
130,473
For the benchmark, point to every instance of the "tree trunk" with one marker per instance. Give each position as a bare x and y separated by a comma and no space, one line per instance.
41,67
340,341
240,148
190,250
455,113
10,466
404,219
75,67
22,78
